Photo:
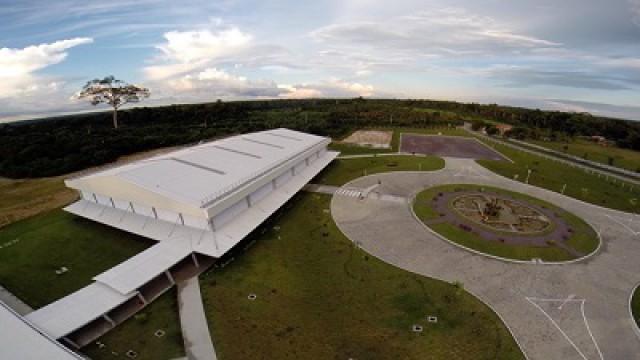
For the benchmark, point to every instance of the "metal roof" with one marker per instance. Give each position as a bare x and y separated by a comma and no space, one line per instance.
77,309
199,174
19,339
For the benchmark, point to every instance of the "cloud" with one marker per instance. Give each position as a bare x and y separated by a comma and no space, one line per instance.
330,88
18,67
213,83
17,63
635,11
601,109
436,32
190,46
522,77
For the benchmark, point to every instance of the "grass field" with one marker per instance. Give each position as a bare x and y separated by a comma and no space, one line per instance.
137,333
319,297
553,175
635,305
584,239
622,158
34,248
341,171
24,198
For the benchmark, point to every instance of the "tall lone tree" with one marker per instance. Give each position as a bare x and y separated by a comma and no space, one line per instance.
113,92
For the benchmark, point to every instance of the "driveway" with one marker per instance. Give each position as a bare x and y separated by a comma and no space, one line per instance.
571,311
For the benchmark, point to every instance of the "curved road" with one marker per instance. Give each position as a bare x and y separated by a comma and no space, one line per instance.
572,311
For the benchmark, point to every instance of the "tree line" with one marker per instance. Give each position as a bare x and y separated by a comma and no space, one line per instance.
60,145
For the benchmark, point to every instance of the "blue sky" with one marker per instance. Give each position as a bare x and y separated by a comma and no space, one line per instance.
574,55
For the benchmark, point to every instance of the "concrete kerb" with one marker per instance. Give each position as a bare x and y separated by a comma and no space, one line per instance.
634,324
437,278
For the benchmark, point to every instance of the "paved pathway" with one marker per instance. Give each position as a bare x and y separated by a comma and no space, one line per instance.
195,330
13,302
576,311
322,189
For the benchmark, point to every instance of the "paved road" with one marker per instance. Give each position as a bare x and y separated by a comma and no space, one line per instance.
195,331
576,311
587,165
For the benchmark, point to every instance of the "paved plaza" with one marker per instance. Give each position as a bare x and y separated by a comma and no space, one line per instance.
574,311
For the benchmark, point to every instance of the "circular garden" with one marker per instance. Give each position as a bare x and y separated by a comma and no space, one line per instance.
504,223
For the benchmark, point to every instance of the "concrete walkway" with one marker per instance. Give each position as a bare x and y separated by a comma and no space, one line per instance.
195,330
574,311
322,189
13,302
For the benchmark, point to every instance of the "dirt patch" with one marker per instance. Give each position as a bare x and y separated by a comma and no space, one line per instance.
447,146
372,138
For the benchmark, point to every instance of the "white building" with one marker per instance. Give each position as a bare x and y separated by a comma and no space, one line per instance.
198,203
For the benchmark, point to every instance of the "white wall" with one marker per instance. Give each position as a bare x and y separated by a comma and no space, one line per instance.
199,223
280,180
300,167
229,213
261,193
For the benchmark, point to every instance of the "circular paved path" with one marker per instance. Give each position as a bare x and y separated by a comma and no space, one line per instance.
571,311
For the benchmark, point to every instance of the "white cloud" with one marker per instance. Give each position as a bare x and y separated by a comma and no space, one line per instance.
218,83
635,10
190,46
18,67
439,32
330,88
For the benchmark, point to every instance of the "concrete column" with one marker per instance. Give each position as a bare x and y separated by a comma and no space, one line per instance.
155,214
95,198
306,161
73,344
168,274
133,210
273,182
248,200
110,320
194,257
293,171
181,218
139,295
113,204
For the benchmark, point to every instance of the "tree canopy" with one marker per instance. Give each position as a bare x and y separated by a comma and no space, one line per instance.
113,92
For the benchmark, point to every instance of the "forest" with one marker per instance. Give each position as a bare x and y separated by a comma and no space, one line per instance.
60,145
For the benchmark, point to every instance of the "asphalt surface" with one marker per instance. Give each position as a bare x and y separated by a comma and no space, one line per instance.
453,146
577,310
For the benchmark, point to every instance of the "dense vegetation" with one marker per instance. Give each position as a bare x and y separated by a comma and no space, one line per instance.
61,145
66,144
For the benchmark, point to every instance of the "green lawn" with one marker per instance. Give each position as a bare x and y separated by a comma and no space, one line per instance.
33,249
25,198
635,305
341,171
137,333
553,175
622,158
584,238
319,297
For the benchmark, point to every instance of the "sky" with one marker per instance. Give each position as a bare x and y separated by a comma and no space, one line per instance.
569,55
